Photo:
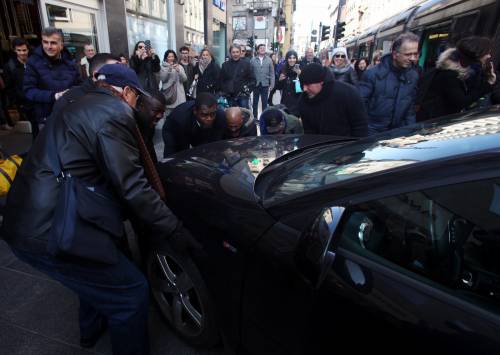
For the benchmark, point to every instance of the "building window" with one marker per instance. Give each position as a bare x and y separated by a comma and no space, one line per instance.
239,23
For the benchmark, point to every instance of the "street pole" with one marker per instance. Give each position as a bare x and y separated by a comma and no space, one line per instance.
336,25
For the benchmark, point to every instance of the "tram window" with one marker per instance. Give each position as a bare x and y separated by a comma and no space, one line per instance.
434,43
464,26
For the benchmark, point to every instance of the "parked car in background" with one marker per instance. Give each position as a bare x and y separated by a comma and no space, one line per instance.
312,243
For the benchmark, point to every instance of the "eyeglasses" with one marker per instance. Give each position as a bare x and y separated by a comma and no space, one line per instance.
140,47
339,56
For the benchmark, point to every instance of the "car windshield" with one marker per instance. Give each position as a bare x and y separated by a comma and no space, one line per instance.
330,164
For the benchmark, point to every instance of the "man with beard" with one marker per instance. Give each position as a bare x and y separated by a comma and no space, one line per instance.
330,107
193,123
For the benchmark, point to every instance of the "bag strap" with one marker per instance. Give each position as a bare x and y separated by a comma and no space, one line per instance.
149,167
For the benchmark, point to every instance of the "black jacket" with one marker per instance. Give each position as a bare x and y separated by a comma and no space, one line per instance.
289,96
237,78
96,143
181,129
337,110
304,62
14,78
146,70
209,80
449,91
348,76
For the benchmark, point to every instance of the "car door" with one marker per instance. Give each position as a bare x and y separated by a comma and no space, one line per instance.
416,268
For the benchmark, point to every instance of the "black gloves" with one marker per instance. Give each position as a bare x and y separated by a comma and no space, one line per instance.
182,240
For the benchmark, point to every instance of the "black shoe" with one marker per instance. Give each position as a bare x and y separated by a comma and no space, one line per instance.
89,342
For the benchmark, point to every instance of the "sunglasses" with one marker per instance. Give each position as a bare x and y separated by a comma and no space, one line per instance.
339,56
140,47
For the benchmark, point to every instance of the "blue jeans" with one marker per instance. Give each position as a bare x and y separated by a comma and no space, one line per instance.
238,101
118,293
262,92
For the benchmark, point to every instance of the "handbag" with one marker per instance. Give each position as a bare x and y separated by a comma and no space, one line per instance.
87,219
8,170
192,89
170,94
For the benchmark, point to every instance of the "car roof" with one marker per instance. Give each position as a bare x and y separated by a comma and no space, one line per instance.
445,138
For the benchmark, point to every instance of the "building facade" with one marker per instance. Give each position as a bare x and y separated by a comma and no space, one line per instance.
254,19
194,24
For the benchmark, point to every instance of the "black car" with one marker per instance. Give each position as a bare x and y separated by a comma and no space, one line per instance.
313,243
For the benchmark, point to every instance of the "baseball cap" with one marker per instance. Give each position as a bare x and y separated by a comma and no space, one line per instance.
121,76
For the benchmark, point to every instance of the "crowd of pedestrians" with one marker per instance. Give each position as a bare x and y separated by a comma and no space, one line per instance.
94,121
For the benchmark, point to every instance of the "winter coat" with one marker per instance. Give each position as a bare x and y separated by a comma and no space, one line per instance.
304,62
181,129
147,70
249,128
289,97
337,110
209,80
189,71
389,95
453,88
14,78
44,77
346,75
237,78
169,76
96,144
264,72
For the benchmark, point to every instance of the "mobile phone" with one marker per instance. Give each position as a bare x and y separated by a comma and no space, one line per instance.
148,45
296,66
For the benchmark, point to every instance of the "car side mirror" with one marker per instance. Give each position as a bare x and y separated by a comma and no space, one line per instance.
316,250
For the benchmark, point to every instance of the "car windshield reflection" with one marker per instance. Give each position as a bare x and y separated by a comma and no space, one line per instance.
396,149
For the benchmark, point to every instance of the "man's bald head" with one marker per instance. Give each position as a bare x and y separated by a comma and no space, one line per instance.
234,121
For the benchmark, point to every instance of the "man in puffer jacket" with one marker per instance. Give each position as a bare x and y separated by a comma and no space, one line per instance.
389,89
49,73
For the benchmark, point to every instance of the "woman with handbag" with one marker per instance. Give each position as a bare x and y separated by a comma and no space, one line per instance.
288,83
206,72
172,77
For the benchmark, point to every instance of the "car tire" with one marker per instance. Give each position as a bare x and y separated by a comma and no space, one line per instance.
182,297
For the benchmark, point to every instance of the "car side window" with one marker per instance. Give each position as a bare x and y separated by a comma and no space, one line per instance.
449,235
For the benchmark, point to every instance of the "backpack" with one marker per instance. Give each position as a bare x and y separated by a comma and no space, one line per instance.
8,170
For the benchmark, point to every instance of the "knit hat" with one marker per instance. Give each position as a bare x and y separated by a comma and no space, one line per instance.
312,73
340,50
290,53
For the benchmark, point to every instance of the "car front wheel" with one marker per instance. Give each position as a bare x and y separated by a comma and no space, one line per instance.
183,299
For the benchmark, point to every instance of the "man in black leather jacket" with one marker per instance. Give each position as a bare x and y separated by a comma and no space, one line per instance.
94,136
237,79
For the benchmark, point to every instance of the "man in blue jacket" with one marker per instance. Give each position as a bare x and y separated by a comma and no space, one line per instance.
389,89
49,73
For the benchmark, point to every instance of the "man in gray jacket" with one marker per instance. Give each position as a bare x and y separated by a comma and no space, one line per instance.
263,69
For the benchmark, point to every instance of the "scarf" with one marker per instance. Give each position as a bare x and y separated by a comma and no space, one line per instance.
204,63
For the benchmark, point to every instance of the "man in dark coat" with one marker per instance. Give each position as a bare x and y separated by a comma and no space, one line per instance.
240,123
330,107
49,73
73,94
14,77
389,89
95,140
237,79
309,58
193,123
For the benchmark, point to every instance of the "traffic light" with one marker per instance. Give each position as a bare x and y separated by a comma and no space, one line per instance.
250,41
325,33
315,47
339,33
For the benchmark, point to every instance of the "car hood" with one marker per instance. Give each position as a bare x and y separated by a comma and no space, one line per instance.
249,155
